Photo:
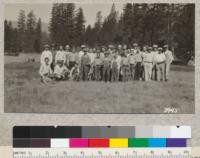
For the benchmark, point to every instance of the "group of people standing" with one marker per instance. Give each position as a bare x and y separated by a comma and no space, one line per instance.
106,63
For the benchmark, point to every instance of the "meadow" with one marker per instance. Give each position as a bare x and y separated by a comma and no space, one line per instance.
23,92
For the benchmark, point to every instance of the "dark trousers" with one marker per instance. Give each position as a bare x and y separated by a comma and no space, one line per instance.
125,72
106,73
98,72
84,72
132,71
115,74
154,73
138,71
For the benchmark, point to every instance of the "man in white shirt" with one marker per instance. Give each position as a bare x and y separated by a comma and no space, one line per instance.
138,61
148,63
132,63
169,59
60,55
46,54
61,72
159,61
45,71
67,53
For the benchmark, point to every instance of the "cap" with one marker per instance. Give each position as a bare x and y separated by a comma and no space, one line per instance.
160,48
165,46
82,46
149,48
67,46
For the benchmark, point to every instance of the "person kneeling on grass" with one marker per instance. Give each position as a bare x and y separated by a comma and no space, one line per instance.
75,73
61,72
45,71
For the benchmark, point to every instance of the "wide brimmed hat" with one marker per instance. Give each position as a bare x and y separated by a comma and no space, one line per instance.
46,46
155,46
135,44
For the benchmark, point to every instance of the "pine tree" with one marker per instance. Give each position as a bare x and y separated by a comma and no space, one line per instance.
69,24
79,27
97,28
38,37
11,42
89,36
30,31
53,27
62,23
127,21
6,37
185,31
21,26
109,27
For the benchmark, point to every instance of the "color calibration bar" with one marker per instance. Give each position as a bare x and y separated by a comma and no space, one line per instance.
100,136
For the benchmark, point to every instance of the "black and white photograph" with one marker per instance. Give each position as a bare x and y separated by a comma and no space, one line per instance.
99,58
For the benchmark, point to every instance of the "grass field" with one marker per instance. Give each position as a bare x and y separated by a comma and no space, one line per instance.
25,93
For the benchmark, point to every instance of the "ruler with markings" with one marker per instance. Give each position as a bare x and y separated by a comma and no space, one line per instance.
101,153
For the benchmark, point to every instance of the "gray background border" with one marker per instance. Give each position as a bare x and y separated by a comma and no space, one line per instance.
7,121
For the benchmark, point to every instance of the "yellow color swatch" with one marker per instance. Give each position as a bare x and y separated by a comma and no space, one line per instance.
118,143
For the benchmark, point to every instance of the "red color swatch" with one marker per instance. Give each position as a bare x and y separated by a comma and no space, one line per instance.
93,143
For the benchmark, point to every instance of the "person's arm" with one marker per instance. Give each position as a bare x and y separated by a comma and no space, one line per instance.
64,56
41,70
42,58
89,60
56,57
121,62
50,58
164,58
172,57
50,71
55,70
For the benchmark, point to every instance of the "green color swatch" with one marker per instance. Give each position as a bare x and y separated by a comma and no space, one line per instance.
138,142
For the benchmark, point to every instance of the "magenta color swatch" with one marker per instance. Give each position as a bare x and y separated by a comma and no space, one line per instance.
77,143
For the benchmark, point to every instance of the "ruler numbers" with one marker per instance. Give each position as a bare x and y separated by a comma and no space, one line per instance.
97,153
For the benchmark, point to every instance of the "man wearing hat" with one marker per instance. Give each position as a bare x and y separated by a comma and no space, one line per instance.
81,52
138,62
46,54
132,63
73,58
115,67
169,59
106,67
60,55
159,62
154,73
148,63
125,67
85,65
67,53
45,71
135,48
97,66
